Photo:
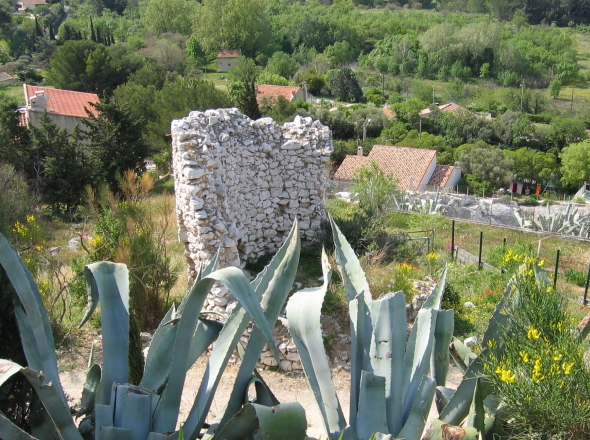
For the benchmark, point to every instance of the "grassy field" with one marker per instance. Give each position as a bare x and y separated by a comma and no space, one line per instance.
14,91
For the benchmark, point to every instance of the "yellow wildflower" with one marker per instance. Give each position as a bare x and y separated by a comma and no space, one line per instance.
524,356
557,357
533,333
505,375
537,371
567,368
30,218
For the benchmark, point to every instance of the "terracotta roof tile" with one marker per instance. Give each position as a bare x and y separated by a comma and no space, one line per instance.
350,166
230,53
272,92
441,175
65,102
449,107
388,112
406,165
22,118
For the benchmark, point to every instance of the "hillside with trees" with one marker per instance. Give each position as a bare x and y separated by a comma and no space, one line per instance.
516,63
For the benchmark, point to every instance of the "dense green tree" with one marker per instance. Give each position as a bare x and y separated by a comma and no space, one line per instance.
233,24
344,85
242,89
565,131
532,165
513,129
195,52
62,165
14,138
84,66
554,88
314,80
340,53
489,165
114,140
575,164
169,16
282,64
272,78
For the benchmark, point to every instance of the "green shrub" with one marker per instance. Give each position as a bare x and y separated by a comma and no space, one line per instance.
576,277
542,375
133,231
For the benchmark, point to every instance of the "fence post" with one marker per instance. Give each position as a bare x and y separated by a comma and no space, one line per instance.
480,246
586,287
556,268
503,254
453,240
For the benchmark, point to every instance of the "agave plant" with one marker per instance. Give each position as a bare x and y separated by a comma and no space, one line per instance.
391,390
568,221
115,409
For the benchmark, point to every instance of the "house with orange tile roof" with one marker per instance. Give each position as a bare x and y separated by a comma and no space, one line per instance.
227,58
22,5
66,108
450,107
269,93
412,168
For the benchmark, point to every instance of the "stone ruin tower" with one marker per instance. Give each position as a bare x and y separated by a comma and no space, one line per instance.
241,183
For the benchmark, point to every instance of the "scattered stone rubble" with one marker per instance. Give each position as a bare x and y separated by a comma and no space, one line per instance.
240,184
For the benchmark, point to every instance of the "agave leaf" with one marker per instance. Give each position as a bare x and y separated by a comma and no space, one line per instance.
235,280
435,299
476,416
206,333
443,333
303,313
458,407
387,353
461,354
160,335
372,415
277,277
418,354
414,425
264,395
11,431
59,413
353,276
32,303
277,281
356,285
443,396
443,431
27,337
133,409
167,412
361,330
89,390
286,421
113,433
109,283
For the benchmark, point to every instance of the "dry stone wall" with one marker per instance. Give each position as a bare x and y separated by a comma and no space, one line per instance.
241,183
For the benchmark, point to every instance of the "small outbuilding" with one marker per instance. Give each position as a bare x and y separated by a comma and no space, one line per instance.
226,59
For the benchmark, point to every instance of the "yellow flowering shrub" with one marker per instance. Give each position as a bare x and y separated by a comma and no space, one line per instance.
540,374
